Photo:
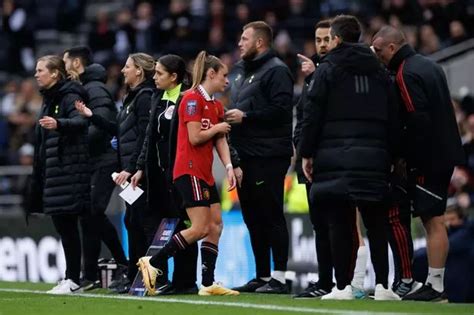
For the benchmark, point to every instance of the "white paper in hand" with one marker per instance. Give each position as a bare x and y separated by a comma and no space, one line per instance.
130,195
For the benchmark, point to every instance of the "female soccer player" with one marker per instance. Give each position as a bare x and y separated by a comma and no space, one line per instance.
200,129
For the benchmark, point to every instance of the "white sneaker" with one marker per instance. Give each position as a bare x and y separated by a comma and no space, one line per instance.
336,294
382,294
66,286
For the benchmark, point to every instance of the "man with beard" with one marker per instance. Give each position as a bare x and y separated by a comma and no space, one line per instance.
96,227
349,126
261,117
323,250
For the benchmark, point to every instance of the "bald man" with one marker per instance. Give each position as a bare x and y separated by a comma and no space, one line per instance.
432,146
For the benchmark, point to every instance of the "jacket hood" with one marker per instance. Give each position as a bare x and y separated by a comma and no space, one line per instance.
94,72
353,58
62,88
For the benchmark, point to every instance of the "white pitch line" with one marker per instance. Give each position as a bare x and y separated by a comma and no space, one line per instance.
270,307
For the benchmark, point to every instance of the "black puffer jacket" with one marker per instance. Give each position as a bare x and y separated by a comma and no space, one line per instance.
61,163
101,103
349,126
132,121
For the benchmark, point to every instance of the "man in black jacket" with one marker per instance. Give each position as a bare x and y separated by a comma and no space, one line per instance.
96,227
261,115
432,146
349,124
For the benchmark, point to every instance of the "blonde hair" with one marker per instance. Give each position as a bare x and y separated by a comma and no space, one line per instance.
203,63
55,63
144,62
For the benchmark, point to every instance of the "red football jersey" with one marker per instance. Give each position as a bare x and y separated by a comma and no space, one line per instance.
196,105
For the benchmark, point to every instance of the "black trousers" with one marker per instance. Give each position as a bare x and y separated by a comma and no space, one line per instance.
96,226
261,198
322,242
140,227
340,216
67,227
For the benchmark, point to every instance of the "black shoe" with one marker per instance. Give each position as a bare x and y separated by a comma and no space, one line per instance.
251,286
119,278
312,291
274,286
426,293
170,289
88,285
403,289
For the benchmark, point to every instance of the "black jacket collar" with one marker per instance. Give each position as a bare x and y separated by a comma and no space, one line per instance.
259,60
403,53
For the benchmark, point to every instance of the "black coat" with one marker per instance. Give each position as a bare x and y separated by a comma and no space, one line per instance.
263,90
132,121
432,143
61,175
349,125
299,121
101,103
158,154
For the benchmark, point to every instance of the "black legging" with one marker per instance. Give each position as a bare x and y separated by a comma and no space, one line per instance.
67,227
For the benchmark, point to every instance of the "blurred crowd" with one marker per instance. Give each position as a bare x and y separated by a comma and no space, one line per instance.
113,29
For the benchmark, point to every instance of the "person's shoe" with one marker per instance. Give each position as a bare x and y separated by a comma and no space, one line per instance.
66,286
172,290
336,294
216,289
251,286
274,287
426,293
119,278
382,294
402,288
312,291
149,274
88,285
358,293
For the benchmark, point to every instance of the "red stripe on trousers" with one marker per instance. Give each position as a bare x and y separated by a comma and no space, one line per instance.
402,241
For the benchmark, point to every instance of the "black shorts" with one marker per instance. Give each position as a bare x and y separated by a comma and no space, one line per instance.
429,193
196,192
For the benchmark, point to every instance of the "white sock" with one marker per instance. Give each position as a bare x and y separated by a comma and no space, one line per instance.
266,279
407,280
279,276
436,278
359,270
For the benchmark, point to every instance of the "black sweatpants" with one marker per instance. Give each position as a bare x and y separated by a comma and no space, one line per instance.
67,227
340,216
261,198
96,226
400,240
322,242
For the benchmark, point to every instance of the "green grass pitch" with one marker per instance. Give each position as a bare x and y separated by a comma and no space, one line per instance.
29,298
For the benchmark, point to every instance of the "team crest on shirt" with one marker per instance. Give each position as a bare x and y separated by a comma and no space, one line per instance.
191,106
206,194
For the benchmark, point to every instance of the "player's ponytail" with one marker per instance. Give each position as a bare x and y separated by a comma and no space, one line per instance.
202,64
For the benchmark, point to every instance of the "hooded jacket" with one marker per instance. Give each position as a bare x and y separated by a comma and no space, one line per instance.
101,103
349,126
131,124
61,176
